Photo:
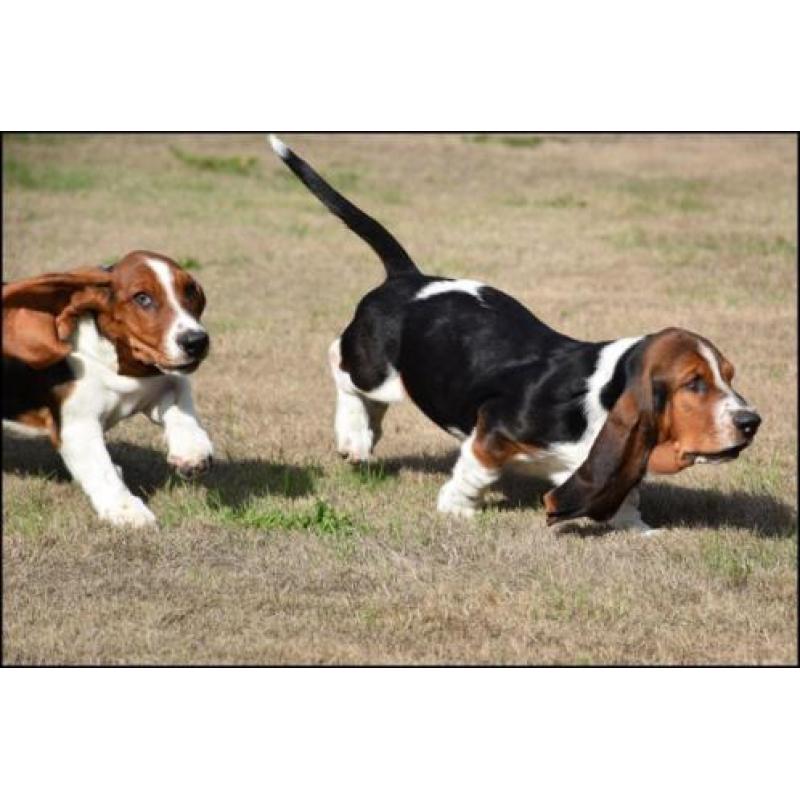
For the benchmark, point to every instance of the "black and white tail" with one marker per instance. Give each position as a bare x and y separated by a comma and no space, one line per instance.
389,250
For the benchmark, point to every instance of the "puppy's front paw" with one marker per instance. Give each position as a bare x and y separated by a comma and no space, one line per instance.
130,511
191,453
452,501
355,446
188,468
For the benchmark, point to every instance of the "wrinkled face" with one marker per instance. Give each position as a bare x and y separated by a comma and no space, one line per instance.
703,419
154,313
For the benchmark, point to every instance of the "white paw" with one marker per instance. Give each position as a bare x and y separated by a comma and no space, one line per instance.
130,511
354,445
190,452
452,501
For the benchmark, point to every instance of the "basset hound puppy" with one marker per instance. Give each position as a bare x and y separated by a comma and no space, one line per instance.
85,349
592,417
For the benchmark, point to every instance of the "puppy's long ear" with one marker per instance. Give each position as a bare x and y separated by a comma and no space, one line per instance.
617,460
40,314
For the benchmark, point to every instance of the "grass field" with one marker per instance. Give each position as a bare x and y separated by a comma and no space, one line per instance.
283,554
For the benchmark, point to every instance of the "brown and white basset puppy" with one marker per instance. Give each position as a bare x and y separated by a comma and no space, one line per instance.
591,417
85,349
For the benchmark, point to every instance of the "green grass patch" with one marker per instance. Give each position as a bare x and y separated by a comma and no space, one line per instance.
30,515
509,140
45,178
321,519
190,263
228,165
370,476
735,562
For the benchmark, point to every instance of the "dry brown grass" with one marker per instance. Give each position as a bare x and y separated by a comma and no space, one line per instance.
283,554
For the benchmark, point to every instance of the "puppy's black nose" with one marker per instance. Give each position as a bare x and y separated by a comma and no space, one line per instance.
747,422
194,343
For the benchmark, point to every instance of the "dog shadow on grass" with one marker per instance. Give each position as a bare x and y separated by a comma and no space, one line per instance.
234,482
666,506
426,463
662,505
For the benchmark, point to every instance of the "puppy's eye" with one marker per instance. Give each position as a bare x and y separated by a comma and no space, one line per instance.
697,384
143,300
191,291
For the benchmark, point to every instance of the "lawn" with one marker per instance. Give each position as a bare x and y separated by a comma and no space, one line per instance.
285,555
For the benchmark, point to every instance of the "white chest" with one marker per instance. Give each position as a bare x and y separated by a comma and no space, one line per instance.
100,391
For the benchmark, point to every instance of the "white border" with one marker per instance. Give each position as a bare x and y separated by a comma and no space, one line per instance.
357,65
399,733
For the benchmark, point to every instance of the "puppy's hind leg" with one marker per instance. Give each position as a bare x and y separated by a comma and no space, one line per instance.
462,494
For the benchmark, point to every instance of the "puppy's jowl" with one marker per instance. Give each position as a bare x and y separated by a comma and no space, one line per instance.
85,349
592,417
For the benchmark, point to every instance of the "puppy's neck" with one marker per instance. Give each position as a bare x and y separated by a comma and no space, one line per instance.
88,342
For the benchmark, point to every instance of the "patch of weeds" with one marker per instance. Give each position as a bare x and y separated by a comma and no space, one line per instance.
562,201
521,141
509,140
229,165
28,516
724,562
190,263
321,519
45,178
734,563
371,476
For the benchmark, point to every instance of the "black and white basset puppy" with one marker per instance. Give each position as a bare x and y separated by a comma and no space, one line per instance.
592,417
85,349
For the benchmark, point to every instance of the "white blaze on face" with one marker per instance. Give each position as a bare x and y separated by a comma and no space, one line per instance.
182,321
730,401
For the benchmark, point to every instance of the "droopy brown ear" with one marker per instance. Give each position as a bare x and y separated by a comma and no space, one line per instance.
617,460
40,314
